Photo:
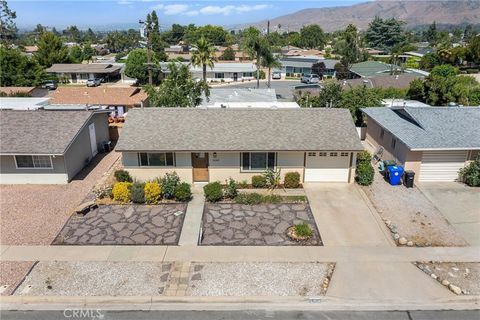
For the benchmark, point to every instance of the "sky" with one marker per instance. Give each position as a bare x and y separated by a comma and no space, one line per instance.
88,13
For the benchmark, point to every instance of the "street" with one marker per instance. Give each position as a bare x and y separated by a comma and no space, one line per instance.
240,315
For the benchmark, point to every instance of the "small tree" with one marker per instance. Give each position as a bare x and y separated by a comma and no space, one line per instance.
51,50
471,173
228,54
273,178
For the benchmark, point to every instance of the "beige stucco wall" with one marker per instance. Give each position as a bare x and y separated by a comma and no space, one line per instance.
227,165
9,174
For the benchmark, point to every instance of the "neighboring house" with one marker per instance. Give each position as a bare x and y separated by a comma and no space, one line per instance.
222,95
80,73
118,99
48,147
370,69
29,91
384,81
435,142
203,145
14,103
227,71
403,103
296,66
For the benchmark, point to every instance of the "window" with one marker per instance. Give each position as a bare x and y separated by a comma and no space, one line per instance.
34,162
162,159
322,154
344,154
248,74
219,75
382,133
258,160
333,154
312,154
394,142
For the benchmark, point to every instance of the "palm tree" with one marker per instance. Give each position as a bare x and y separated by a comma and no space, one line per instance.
255,45
204,55
268,60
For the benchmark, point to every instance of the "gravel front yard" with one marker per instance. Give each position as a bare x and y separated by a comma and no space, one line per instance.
125,224
259,279
11,273
464,275
265,224
412,215
34,214
96,279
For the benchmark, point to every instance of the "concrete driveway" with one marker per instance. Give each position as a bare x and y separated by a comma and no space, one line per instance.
343,216
459,204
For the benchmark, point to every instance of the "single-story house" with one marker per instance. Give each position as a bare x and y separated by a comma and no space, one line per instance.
80,73
49,147
384,81
203,145
434,142
296,66
23,91
118,99
370,69
235,95
227,71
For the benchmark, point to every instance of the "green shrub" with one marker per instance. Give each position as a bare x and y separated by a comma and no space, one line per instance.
153,192
259,181
249,198
364,156
243,184
122,191
364,174
272,198
183,192
103,192
122,176
138,192
272,177
169,184
213,191
292,180
231,190
303,230
471,173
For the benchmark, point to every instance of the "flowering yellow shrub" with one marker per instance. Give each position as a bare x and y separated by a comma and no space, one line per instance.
153,192
122,191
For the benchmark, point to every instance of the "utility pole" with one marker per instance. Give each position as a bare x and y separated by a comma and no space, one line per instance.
149,51
269,68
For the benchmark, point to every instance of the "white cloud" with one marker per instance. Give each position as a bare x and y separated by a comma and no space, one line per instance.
191,13
227,10
173,9
187,10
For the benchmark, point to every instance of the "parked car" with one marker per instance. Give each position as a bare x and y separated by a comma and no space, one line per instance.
50,85
94,82
310,78
276,75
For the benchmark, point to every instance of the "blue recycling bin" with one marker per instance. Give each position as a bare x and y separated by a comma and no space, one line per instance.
395,175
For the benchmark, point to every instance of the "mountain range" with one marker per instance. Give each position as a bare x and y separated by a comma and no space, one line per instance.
414,13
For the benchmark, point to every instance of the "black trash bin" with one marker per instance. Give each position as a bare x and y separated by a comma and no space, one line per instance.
408,178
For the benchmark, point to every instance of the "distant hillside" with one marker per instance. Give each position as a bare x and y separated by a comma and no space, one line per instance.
414,13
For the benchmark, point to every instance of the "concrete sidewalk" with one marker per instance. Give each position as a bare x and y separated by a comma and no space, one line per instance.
238,253
193,218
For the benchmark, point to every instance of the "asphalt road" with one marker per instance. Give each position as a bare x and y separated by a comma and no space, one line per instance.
283,88
239,315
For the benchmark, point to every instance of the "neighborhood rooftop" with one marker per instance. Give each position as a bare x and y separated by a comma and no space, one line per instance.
98,96
83,68
39,132
240,95
182,129
424,128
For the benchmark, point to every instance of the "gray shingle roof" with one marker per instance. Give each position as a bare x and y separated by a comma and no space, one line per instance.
181,129
83,68
423,128
39,132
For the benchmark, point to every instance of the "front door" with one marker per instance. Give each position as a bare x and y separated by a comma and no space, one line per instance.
93,139
235,76
74,77
200,166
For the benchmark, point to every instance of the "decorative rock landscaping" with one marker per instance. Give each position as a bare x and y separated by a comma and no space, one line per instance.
458,277
125,225
265,224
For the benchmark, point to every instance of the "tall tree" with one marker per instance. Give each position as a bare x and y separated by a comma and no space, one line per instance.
431,34
269,60
137,66
8,28
203,55
228,54
73,34
312,37
51,50
156,40
19,70
385,34
256,47
178,89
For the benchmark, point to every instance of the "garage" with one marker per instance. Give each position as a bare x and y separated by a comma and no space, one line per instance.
329,166
441,165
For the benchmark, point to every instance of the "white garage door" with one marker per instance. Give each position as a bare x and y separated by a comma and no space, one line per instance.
441,165
327,166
